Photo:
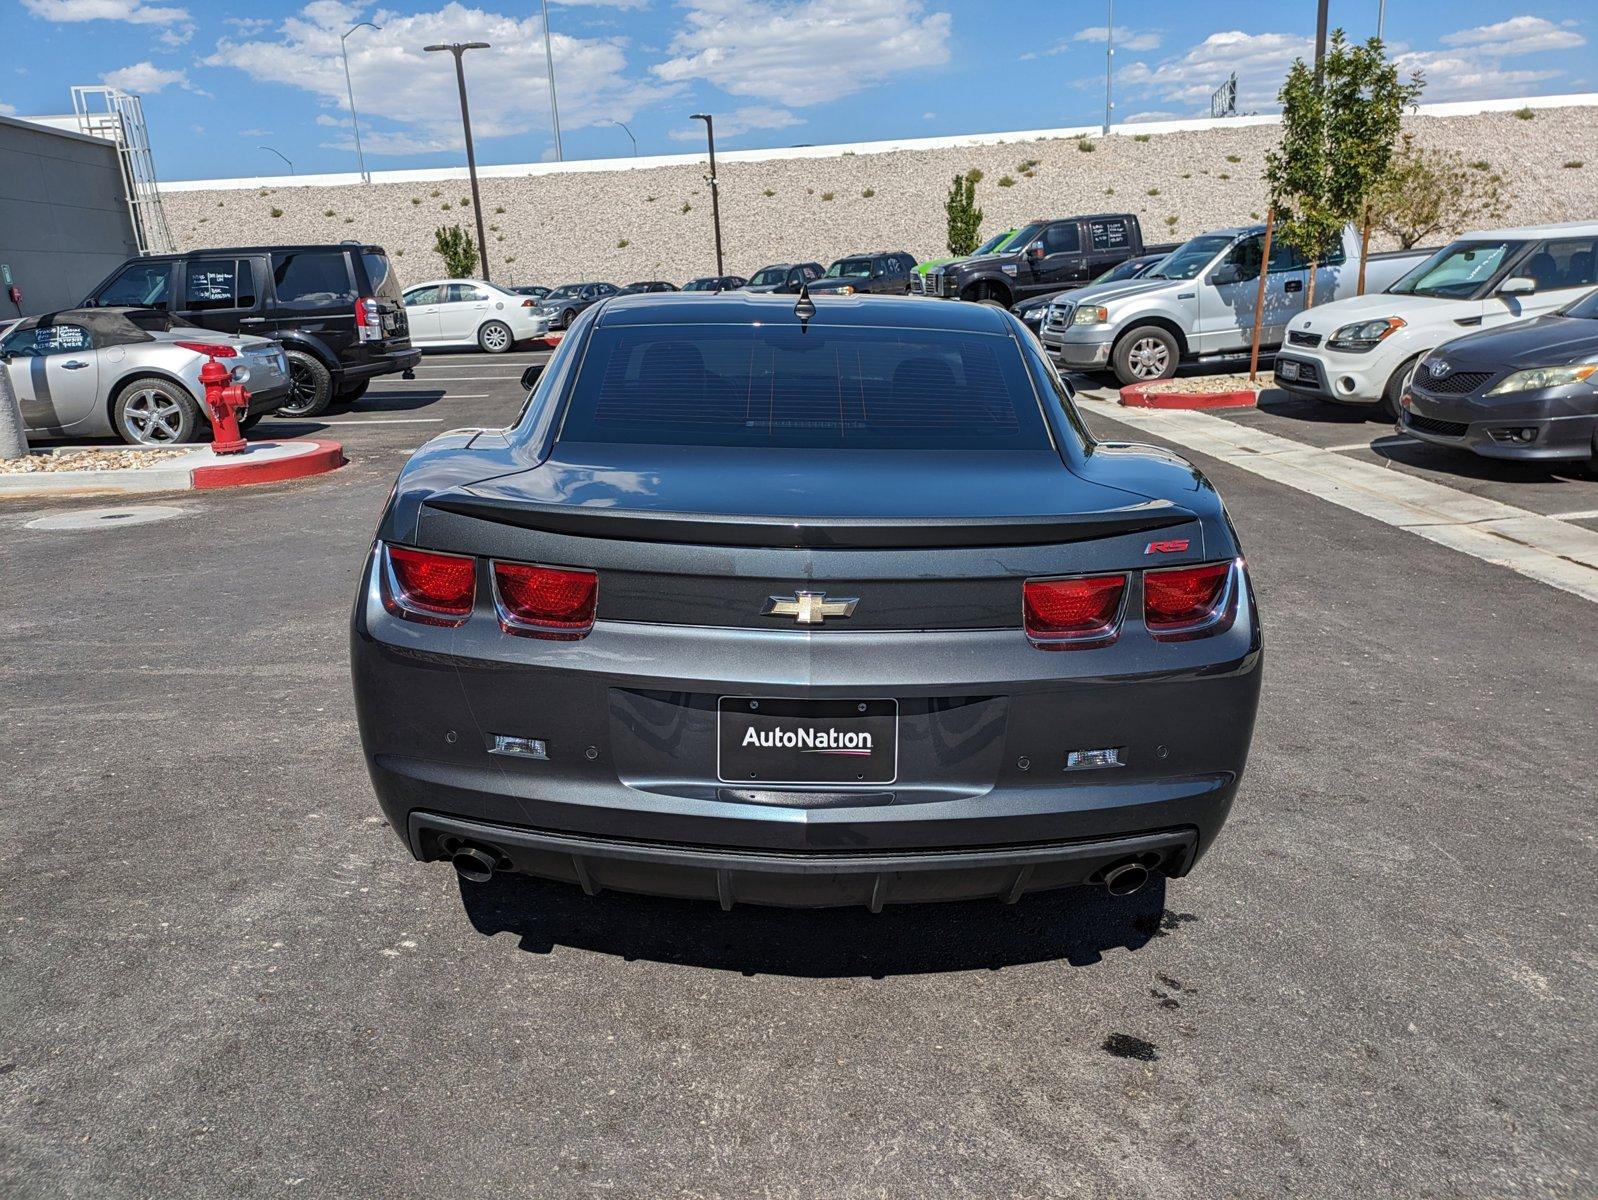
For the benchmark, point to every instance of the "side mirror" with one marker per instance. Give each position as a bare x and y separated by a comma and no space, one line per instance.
1517,285
1035,250
531,376
1227,273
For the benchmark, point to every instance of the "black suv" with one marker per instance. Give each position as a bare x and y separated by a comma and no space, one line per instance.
883,271
784,277
336,309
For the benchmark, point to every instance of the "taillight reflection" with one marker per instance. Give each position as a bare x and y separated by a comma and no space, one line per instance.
1185,601
546,602
1064,614
426,586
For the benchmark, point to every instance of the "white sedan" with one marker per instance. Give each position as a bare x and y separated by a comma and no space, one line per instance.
468,312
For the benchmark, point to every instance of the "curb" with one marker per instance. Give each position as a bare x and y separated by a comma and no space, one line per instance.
1138,396
202,470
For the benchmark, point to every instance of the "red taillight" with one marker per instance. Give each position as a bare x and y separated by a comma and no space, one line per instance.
528,303
368,319
549,602
210,348
1185,600
426,586
1073,613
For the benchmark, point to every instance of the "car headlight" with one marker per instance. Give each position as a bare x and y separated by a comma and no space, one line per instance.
1365,335
1091,314
1537,378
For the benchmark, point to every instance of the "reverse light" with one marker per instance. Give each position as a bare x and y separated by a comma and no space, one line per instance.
426,586
213,349
1073,614
1184,602
544,602
1364,335
368,320
1537,378
1091,314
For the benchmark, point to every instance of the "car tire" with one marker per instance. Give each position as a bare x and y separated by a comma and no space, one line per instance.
352,392
1145,354
567,317
250,422
152,411
1394,391
495,337
310,386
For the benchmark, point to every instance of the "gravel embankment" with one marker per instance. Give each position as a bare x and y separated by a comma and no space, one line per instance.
627,225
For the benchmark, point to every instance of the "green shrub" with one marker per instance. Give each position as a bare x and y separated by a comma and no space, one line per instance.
1006,181
1234,158
277,212
964,217
1223,175
500,209
1085,145
466,201
826,195
870,192
457,249
417,200
329,213
1140,137
1152,192
1524,114
510,258
686,207
1171,221
444,207
623,244
974,175
767,192
1574,164
1481,164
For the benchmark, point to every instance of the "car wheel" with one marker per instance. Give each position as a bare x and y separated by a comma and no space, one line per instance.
353,391
495,337
250,422
567,317
310,386
152,411
1396,386
1145,354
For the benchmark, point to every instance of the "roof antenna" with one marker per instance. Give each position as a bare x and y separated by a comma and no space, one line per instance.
804,308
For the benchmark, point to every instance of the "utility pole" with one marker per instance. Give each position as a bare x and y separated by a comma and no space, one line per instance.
1320,42
1109,66
549,67
715,191
349,88
458,49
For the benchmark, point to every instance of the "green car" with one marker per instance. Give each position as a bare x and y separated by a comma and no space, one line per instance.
918,283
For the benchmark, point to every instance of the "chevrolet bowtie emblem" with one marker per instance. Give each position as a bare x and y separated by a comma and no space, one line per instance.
809,608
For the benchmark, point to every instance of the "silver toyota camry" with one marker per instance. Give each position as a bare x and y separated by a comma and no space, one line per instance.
131,372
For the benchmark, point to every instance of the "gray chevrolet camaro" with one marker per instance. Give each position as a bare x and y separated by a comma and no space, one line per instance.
835,602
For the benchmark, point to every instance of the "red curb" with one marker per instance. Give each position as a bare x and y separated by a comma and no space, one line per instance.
327,456
1138,396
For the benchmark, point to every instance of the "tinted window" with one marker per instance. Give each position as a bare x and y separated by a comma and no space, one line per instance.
849,268
1458,271
313,279
379,276
722,385
462,293
1285,257
1061,239
423,295
1107,235
213,283
141,285
1565,264
1188,259
46,340
768,276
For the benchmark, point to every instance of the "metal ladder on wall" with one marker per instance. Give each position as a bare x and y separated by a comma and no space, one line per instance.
107,112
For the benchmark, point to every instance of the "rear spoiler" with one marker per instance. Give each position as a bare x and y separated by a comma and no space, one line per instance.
863,533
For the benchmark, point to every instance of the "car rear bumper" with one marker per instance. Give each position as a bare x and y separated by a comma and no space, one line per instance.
800,880
387,363
628,718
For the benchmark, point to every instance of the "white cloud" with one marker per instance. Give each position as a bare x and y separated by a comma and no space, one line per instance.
396,81
177,29
7,110
1518,35
249,24
800,52
1059,47
255,133
1260,60
740,120
1464,77
146,79
1125,39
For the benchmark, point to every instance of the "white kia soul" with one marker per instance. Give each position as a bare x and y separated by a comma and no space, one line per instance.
1363,350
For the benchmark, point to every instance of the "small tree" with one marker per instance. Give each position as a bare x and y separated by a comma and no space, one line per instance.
13,434
1427,192
965,218
1298,172
457,249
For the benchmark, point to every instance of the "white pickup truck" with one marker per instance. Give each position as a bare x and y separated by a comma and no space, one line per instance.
1200,303
1363,350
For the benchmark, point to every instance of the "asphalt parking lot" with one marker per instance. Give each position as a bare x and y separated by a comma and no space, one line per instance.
221,975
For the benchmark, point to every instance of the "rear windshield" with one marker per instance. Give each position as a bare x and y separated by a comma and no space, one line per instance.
855,388
380,275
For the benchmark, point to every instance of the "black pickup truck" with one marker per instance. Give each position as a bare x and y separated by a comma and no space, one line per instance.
1045,256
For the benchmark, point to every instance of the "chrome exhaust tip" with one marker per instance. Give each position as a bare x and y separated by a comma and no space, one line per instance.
1126,879
473,864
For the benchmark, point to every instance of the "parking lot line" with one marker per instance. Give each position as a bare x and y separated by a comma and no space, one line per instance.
1542,548
448,395
388,421
437,378
1589,514
1397,439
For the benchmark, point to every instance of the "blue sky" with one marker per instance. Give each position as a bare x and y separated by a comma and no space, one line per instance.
221,78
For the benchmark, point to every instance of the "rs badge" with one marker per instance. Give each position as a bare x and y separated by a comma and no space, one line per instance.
1172,547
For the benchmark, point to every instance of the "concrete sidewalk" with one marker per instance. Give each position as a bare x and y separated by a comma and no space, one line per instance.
198,468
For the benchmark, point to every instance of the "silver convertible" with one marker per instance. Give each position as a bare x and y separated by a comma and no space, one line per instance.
131,372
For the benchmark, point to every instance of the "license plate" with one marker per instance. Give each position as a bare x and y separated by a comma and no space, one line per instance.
761,739
1287,370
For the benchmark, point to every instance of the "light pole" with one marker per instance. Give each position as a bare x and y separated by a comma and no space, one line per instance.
715,196
549,67
629,133
280,154
349,88
1381,18
1109,65
1320,43
458,49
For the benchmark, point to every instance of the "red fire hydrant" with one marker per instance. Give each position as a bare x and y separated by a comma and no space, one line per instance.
228,405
